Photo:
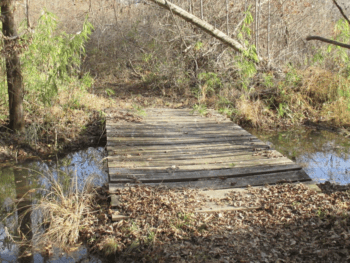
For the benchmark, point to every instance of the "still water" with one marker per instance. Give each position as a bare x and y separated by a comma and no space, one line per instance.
16,181
325,156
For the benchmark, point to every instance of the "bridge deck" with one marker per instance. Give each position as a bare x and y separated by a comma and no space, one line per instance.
178,148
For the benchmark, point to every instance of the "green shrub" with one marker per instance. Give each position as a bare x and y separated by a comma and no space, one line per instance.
52,60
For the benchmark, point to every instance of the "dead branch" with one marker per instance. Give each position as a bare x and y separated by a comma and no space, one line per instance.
329,41
341,11
201,24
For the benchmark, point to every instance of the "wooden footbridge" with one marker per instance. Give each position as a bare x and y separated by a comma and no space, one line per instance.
177,148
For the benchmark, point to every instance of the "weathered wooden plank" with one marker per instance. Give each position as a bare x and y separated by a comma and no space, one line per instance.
199,172
176,125
185,129
115,200
118,217
190,154
232,159
174,136
119,175
209,146
180,120
182,139
211,166
113,141
255,180
174,133
178,136
142,131
185,152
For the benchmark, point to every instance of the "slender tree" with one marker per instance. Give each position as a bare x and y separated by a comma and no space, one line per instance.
13,66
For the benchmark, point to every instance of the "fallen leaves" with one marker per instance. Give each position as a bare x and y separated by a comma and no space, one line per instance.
293,224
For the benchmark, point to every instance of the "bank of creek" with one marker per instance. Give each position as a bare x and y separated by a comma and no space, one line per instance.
325,156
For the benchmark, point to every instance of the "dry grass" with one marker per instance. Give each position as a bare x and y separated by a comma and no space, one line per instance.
322,85
314,94
110,246
256,113
63,212
328,95
75,119
338,112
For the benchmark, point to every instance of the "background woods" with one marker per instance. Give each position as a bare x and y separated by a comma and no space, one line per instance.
138,47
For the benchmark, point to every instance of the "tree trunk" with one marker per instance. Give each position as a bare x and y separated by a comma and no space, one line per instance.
201,24
13,67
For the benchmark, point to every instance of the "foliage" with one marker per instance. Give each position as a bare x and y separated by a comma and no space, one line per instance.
201,109
52,60
209,82
246,61
341,56
268,80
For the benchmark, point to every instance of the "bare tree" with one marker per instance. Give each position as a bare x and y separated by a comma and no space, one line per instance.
13,66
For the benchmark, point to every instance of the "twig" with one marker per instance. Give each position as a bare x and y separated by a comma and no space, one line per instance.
341,11
14,37
103,131
132,67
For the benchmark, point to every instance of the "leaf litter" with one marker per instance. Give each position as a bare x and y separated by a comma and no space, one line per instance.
291,223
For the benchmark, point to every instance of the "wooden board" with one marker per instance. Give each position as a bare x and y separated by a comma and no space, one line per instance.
254,180
119,175
182,149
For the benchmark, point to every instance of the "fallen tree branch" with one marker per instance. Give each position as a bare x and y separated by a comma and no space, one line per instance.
329,41
205,26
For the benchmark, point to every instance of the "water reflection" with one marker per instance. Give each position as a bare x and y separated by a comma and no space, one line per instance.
324,155
16,181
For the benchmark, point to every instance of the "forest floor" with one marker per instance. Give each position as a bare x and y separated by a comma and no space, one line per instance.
81,127
291,223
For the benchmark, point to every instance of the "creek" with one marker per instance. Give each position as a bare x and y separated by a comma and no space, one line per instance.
18,179
324,155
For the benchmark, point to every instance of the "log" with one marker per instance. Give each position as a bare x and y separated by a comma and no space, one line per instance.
205,26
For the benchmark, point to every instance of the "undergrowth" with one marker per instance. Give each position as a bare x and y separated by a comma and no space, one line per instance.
317,91
59,103
200,73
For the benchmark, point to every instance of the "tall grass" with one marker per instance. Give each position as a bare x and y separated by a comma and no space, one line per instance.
63,211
